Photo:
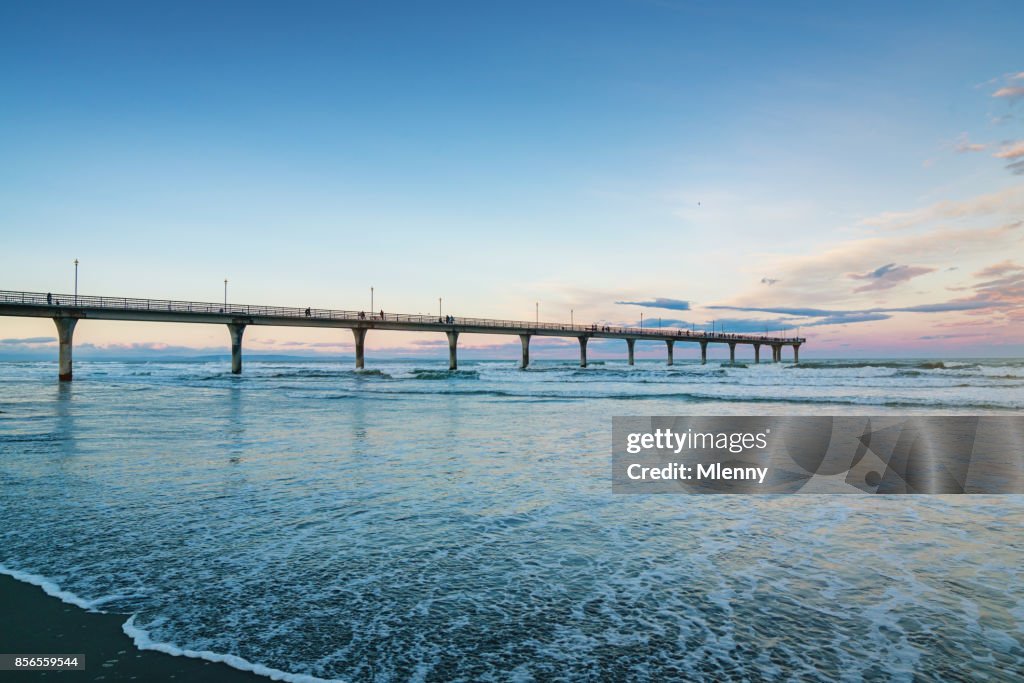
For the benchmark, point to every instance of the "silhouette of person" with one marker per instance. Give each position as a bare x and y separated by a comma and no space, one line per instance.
308,313
49,298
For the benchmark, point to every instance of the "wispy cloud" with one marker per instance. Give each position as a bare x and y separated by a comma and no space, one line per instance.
1014,153
963,145
668,304
945,307
769,281
1011,92
997,269
1011,150
888,276
28,340
1005,202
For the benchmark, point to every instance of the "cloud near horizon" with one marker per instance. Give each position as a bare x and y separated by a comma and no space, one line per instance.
28,340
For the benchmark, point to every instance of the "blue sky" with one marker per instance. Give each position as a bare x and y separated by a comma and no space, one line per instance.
744,155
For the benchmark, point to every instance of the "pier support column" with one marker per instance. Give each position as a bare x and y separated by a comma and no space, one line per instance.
453,339
776,353
629,344
732,352
65,331
669,343
525,340
583,352
236,330
757,353
796,354
360,334
703,353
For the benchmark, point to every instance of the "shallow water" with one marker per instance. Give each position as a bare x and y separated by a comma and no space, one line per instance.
410,523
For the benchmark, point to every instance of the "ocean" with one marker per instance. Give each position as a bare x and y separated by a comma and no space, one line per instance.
308,521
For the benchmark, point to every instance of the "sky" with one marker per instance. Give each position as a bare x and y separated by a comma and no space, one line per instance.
853,171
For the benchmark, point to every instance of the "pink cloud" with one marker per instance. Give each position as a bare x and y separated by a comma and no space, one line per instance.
997,269
1011,150
1010,92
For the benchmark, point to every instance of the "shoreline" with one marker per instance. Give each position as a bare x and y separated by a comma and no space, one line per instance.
38,623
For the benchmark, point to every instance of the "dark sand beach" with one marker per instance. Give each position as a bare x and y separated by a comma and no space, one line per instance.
35,623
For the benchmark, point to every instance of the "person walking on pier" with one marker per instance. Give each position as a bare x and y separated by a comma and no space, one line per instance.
308,313
382,314
49,298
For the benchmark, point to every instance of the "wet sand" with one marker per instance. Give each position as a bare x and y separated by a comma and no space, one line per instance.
32,622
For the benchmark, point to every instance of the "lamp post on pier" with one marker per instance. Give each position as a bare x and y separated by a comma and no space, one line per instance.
225,294
76,282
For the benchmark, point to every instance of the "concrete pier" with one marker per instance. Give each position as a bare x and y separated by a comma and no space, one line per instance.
65,332
239,316
453,340
360,334
236,330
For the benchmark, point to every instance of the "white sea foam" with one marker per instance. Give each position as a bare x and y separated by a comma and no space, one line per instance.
142,640
52,589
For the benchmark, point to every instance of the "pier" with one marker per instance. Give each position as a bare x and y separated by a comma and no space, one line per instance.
67,310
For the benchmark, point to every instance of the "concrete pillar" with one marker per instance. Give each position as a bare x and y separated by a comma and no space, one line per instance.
360,334
670,343
796,354
703,352
583,352
525,340
236,330
65,331
453,339
732,352
757,353
776,353
629,344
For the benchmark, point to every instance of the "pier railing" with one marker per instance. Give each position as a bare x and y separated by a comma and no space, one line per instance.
117,303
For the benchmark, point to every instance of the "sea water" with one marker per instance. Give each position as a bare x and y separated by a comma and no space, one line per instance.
408,523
